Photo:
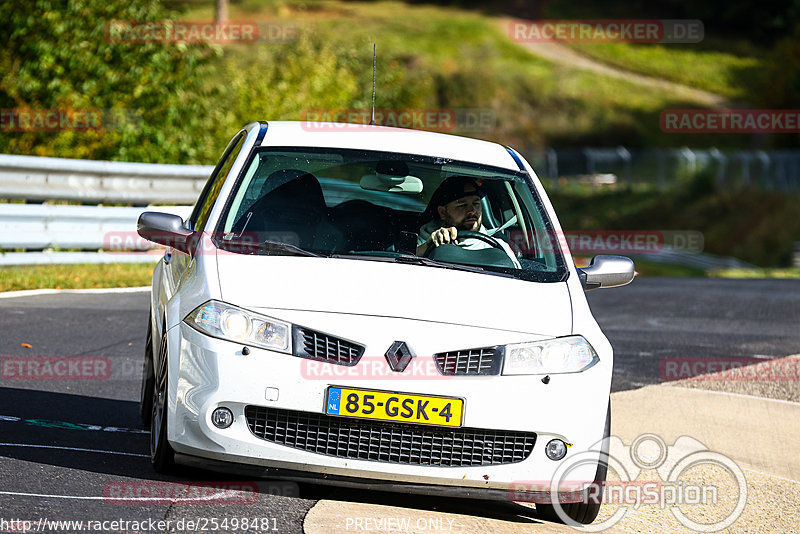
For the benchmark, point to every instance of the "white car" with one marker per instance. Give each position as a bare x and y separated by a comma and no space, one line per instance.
298,329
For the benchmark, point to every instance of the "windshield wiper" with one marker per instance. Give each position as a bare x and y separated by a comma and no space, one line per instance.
267,246
418,260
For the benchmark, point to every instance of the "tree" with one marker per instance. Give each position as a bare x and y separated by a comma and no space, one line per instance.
222,11
59,55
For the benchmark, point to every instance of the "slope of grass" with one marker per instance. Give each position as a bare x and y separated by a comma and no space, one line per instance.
793,272
724,73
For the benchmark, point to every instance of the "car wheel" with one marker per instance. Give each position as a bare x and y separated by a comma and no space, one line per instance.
146,396
161,454
583,512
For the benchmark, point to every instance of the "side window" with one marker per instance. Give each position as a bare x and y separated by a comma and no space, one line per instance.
212,188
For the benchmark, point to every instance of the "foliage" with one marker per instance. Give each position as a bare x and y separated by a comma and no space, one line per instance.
57,57
756,226
179,103
780,81
760,22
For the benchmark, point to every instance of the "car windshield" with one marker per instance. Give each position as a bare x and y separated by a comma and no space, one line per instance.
383,206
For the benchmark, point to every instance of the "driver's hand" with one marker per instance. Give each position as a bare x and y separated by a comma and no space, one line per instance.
444,235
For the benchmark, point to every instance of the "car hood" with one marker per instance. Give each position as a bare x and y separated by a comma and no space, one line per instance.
382,289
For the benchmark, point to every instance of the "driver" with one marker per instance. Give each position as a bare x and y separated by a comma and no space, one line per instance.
454,206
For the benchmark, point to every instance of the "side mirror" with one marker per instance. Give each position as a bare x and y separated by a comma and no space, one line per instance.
607,271
165,229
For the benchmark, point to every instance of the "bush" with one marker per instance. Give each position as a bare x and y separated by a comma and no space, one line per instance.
57,57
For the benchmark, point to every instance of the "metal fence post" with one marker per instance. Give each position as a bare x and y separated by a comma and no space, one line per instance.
744,158
552,166
626,159
691,159
721,161
662,169
766,179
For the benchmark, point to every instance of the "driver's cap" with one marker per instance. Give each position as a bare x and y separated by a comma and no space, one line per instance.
453,188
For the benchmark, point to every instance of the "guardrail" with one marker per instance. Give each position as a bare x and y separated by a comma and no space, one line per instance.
40,228
36,227
40,179
777,170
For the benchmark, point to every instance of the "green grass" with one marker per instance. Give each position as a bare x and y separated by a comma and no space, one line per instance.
793,272
79,276
726,74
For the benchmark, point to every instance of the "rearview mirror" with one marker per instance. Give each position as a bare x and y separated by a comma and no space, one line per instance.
165,229
391,184
607,271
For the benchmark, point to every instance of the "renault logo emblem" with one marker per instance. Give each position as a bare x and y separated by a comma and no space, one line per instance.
399,356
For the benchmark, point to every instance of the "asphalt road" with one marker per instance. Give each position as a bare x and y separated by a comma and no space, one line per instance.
67,445
658,321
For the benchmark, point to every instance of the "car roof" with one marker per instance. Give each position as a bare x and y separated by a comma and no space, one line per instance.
386,139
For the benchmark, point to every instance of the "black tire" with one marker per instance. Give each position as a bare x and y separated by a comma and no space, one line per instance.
161,454
148,379
583,512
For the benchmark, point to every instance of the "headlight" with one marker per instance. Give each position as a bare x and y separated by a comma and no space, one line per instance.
228,322
569,354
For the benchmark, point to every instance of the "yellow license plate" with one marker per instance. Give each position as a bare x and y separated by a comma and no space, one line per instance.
387,406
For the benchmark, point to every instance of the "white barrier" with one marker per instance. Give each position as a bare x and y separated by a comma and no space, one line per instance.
38,227
37,178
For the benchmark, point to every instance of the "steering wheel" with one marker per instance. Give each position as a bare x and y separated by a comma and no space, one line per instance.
469,234
463,234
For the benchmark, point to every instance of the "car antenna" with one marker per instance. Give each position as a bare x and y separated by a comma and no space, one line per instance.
374,58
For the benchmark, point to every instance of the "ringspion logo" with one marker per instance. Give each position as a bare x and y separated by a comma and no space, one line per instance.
705,491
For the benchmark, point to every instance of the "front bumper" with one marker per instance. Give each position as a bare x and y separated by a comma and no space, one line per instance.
517,492
208,373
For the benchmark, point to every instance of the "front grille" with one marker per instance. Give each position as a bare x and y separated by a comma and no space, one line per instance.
485,361
319,346
399,443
